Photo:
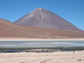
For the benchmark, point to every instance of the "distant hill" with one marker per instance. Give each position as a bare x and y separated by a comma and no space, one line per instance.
43,18
8,29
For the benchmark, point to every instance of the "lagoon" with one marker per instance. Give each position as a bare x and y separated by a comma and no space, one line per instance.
55,43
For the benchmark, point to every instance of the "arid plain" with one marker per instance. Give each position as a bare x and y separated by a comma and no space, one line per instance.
54,57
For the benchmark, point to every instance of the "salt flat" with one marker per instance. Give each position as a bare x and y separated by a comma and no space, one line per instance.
54,57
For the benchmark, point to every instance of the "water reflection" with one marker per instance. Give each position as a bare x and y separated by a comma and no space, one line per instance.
41,43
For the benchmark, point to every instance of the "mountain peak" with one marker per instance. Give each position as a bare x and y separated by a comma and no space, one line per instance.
43,18
40,8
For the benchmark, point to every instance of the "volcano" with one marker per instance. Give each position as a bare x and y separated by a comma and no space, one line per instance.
43,18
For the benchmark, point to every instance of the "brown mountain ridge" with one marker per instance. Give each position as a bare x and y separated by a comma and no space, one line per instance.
8,29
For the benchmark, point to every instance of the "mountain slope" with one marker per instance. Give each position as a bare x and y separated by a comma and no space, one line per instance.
8,29
43,18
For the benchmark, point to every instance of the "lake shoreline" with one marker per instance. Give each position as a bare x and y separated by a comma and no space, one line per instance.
51,49
36,39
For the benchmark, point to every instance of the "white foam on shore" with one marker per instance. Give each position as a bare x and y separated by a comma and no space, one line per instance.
37,39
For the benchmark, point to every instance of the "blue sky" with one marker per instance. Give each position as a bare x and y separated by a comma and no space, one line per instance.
70,10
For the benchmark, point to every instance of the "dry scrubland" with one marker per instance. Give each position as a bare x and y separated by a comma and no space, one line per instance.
54,57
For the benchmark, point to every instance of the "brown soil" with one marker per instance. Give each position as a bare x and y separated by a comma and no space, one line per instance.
8,29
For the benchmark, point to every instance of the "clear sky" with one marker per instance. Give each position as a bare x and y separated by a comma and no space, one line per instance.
70,10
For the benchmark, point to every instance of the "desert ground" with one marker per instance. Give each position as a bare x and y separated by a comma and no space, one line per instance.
54,57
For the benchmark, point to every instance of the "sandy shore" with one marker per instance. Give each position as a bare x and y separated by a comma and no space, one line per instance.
54,57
